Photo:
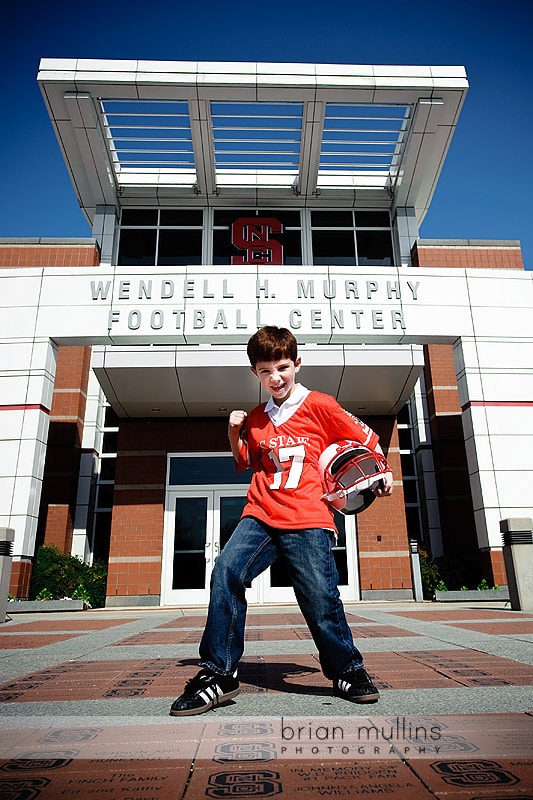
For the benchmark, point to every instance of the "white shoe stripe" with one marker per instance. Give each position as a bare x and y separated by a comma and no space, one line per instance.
211,694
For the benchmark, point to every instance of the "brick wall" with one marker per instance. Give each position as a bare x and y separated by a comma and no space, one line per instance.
384,559
46,253
70,386
135,555
467,254
19,583
441,380
138,506
59,526
63,452
449,455
493,567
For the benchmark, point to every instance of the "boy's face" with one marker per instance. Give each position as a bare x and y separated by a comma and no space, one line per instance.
277,377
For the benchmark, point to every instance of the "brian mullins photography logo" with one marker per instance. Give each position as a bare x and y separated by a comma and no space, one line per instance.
352,737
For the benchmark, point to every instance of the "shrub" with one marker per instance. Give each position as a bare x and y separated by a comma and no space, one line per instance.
455,572
94,583
448,573
57,575
431,579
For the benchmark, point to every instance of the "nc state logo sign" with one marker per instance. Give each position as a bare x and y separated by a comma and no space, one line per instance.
252,234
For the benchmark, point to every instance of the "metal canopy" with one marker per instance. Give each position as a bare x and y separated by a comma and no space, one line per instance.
193,133
168,381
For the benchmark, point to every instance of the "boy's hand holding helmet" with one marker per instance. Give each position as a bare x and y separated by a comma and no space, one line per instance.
353,475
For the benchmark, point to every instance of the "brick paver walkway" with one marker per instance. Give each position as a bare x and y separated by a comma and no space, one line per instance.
85,698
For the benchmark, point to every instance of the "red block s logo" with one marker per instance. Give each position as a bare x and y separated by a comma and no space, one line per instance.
252,234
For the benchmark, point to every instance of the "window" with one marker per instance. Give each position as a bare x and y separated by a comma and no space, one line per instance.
137,248
277,238
110,442
179,247
348,238
409,473
334,247
105,484
139,217
107,467
102,535
170,236
209,469
162,237
374,248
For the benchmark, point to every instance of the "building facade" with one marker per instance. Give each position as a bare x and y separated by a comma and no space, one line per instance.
225,197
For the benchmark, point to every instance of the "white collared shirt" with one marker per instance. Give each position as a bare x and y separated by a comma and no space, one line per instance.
280,414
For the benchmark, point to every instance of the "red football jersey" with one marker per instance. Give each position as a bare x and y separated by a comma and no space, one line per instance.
286,489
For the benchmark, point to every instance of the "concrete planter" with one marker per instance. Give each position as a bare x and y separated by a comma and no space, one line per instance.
472,595
38,606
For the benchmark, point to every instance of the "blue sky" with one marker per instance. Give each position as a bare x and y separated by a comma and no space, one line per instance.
485,189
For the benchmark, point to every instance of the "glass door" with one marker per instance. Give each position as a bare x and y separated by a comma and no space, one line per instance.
198,523
193,545
276,588
204,501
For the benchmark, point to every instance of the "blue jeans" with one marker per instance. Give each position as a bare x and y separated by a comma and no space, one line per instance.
308,557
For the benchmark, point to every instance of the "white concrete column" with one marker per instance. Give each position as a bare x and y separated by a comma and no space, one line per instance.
27,371
89,463
104,225
495,379
405,229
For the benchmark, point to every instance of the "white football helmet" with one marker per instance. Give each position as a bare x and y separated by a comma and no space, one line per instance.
350,475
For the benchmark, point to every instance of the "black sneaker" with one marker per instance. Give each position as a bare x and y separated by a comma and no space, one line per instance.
205,690
356,686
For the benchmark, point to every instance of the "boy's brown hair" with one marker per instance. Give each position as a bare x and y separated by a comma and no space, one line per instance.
271,343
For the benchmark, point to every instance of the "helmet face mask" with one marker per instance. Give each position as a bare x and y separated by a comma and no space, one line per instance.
350,475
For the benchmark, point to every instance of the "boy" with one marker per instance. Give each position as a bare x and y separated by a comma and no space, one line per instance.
286,516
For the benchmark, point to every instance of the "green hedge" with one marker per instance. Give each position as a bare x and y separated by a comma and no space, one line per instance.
57,575
430,574
448,573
